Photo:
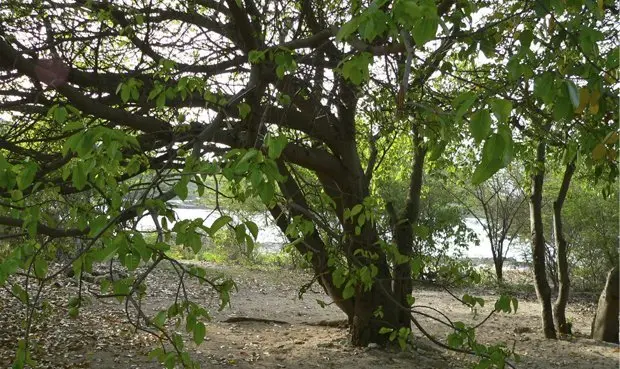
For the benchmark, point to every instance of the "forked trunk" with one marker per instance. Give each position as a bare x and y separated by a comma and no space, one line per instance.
559,308
543,291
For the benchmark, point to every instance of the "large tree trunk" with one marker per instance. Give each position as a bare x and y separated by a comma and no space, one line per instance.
559,308
361,308
605,323
538,244
365,326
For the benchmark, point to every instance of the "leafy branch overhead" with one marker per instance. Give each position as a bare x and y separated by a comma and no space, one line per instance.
109,110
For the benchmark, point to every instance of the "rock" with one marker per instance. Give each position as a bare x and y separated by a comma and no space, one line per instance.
605,323
372,345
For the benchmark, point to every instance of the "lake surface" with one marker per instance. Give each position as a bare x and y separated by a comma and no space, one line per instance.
272,239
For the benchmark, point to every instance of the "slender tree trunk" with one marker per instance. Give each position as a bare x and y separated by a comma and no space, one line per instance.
499,269
404,237
552,264
498,257
538,244
559,307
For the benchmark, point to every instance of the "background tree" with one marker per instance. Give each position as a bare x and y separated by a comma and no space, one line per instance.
497,205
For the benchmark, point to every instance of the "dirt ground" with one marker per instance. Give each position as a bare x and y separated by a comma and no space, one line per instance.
100,338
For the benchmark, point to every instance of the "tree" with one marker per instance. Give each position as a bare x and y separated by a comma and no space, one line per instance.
497,205
559,307
590,225
116,98
591,228
538,243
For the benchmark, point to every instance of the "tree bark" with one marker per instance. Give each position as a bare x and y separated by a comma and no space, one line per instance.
499,268
346,191
404,237
559,307
605,323
538,243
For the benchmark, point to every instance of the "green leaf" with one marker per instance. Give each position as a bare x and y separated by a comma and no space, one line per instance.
219,223
492,159
72,126
348,291
437,148
125,93
21,294
160,319
120,288
348,29
480,125
462,103
170,360
60,114
417,264
338,277
107,252
244,110
573,93
425,29
526,37
199,333
544,87
248,156
501,109
161,100
503,304
190,322
40,268
356,210
26,175
599,152
563,108
79,176
256,56
180,189
356,68
249,244
514,68
276,145
506,134
240,233
132,261
253,228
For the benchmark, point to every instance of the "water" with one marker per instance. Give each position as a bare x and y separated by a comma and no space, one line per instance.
483,250
272,239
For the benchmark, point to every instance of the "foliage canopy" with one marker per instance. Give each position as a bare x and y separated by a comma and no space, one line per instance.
109,109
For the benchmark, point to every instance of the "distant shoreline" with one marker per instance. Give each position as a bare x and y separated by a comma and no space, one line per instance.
271,237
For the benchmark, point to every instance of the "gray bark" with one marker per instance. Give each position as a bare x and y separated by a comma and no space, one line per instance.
605,323
543,291
559,307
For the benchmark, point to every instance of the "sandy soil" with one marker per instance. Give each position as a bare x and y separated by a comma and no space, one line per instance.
99,338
